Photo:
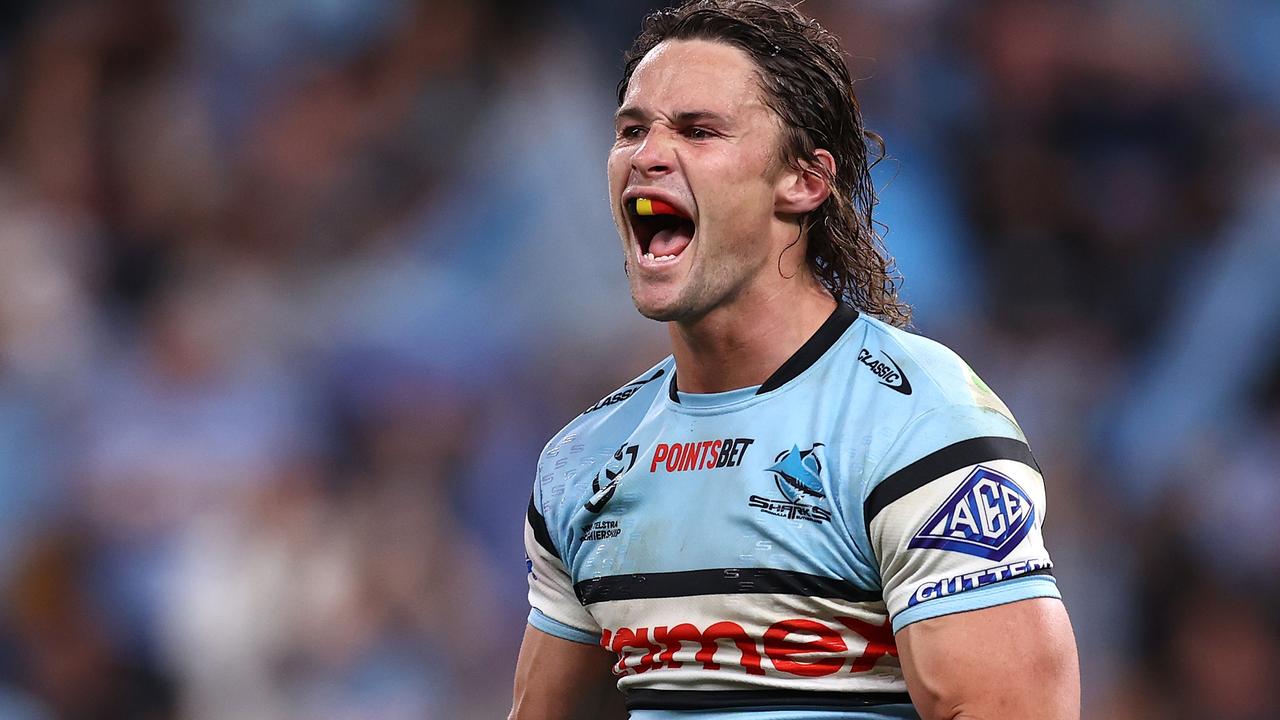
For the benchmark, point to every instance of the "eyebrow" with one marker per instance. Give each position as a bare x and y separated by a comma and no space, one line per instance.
631,112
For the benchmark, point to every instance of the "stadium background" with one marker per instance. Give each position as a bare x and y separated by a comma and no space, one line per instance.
292,292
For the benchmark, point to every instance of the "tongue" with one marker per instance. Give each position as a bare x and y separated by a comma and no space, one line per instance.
671,241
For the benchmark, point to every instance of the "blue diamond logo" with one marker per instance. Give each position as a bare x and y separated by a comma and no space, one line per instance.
987,516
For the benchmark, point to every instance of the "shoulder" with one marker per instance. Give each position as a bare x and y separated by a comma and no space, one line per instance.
926,369
649,383
942,411
595,433
618,407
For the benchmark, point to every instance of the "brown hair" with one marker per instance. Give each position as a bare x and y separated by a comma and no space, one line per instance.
805,81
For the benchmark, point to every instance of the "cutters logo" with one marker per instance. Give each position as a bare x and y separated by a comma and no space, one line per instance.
891,376
622,461
625,392
987,516
798,475
959,583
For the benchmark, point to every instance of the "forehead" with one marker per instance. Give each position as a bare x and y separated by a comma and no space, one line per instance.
695,73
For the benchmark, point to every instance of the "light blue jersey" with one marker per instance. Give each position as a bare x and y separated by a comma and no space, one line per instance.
752,553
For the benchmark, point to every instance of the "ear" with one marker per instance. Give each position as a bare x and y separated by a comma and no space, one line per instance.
800,191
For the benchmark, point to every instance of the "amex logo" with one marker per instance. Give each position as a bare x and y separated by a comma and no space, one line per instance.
987,516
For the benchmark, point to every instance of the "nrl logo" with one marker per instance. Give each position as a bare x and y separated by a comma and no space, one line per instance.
617,466
798,475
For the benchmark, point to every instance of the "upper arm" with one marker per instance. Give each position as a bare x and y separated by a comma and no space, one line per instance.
955,517
955,523
558,679
1010,661
562,672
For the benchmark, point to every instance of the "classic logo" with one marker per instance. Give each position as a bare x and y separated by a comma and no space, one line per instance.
624,392
622,461
891,376
798,475
987,516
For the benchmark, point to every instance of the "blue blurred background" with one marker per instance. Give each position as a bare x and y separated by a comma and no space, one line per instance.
292,293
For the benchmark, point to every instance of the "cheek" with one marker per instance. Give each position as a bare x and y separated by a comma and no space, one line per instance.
733,196
618,167
617,171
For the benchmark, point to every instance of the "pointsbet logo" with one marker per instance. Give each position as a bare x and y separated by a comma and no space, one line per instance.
700,455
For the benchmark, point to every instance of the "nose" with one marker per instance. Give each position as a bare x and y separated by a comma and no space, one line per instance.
656,154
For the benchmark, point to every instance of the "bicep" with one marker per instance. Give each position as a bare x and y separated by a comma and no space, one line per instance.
558,679
1015,660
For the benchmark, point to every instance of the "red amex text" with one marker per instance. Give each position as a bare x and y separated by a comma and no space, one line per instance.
799,646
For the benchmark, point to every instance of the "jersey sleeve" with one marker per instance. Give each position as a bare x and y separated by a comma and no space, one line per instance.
555,608
955,518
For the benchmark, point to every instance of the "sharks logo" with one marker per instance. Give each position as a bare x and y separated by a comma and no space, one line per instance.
617,466
798,475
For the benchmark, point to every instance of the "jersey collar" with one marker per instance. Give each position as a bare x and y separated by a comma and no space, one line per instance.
804,358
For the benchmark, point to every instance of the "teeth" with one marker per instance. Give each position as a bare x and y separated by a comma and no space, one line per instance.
660,258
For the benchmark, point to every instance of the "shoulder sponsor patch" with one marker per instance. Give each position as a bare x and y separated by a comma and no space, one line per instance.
987,516
624,392
891,376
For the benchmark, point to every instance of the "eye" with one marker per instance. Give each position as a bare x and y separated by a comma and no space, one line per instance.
698,133
631,132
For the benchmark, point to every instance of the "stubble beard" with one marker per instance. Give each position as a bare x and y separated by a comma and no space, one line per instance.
705,290
685,306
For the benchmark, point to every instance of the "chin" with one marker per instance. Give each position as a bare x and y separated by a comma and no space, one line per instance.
656,311
667,309
662,309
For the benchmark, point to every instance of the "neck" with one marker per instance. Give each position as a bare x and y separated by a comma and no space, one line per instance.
743,342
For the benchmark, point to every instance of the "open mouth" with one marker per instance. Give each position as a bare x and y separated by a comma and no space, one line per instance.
662,230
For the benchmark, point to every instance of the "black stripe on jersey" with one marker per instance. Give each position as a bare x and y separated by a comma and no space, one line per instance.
1041,571
804,358
812,349
947,460
646,699
539,525
718,581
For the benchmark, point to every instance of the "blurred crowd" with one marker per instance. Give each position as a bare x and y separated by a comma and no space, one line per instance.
292,293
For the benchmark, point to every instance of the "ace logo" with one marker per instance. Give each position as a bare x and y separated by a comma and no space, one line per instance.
987,516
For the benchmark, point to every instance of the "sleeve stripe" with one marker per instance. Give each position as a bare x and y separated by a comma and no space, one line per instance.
551,626
1023,587
539,525
944,461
